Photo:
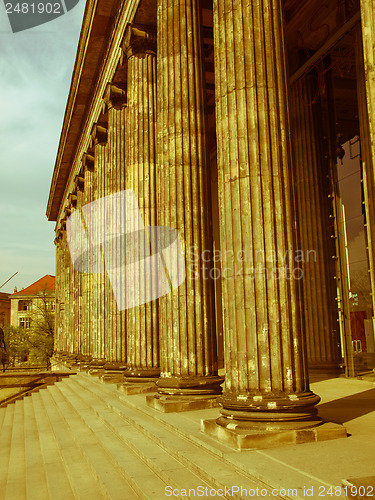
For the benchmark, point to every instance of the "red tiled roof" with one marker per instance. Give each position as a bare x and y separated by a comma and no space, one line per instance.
45,284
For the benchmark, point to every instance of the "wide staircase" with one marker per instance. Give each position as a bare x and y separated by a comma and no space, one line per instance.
83,439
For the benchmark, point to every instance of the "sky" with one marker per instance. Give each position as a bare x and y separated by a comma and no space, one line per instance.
35,71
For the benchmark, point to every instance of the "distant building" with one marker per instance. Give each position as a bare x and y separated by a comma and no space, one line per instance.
26,300
4,309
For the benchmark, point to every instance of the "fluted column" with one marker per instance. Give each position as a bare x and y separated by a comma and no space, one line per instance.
102,342
266,383
90,286
314,208
114,173
58,336
142,321
67,297
87,278
115,99
66,294
187,320
74,285
366,106
81,323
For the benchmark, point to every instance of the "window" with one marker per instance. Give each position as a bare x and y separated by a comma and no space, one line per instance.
25,323
24,305
50,305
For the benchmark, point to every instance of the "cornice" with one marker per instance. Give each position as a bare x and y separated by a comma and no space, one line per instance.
98,52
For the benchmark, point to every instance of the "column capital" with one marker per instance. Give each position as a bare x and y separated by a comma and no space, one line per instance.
139,40
63,224
99,134
59,236
79,182
72,199
88,161
114,96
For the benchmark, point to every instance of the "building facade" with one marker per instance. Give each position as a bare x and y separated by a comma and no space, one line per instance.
248,128
4,309
32,301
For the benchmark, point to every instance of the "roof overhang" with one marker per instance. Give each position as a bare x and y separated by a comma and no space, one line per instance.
98,21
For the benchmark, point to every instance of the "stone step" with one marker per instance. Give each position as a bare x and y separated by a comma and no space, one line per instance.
143,479
82,478
170,470
57,478
253,464
144,482
83,453
35,475
5,447
2,415
16,481
198,459
359,487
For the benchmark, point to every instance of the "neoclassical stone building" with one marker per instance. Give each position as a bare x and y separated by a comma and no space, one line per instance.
248,127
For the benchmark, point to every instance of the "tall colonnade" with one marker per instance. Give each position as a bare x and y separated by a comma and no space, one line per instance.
151,137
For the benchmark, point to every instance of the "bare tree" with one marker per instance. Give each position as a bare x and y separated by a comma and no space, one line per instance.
42,328
3,350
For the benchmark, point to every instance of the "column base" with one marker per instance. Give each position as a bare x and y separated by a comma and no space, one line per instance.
80,361
269,412
59,363
112,377
68,358
84,363
186,393
95,372
140,374
140,386
209,385
324,371
246,439
172,404
139,381
113,373
96,367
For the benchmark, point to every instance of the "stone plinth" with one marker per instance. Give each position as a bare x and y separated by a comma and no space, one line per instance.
357,488
186,394
243,439
113,373
96,367
139,381
141,385
171,404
